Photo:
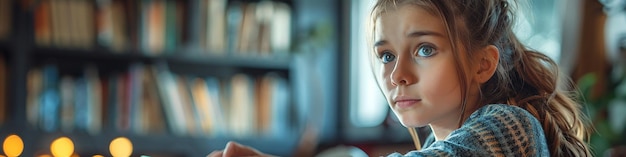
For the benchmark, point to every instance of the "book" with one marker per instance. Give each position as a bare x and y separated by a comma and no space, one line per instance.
216,26
209,110
122,117
81,30
105,95
200,21
49,99
42,23
201,105
119,25
104,22
186,104
195,23
280,104
74,16
264,94
66,88
215,94
153,115
265,15
6,14
280,31
86,18
133,23
182,20
113,97
171,101
94,102
274,28
259,28
135,105
171,26
272,105
248,31
153,26
234,19
34,85
56,24
81,104
242,111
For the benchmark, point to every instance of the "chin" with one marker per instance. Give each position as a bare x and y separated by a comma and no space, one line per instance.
412,122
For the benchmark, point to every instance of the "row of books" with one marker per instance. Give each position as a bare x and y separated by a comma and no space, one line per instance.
3,89
5,18
156,27
149,99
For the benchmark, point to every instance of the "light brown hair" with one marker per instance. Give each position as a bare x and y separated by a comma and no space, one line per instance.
524,77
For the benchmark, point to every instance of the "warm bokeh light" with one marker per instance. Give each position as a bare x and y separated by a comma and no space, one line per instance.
62,147
13,146
121,147
98,156
45,155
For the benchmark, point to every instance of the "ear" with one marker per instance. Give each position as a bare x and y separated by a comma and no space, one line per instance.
487,63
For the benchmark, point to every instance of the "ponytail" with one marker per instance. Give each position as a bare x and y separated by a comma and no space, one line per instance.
563,123
523,78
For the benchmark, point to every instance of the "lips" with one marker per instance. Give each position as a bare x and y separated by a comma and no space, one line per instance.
404,102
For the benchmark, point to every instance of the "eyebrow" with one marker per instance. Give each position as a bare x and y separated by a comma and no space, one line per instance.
423,33
412,35
380,43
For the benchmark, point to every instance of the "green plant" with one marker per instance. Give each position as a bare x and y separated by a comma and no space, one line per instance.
606,112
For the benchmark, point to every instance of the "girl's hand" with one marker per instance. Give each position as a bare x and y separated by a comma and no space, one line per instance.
236,149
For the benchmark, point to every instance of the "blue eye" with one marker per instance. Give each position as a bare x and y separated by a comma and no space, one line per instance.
426,51
387,57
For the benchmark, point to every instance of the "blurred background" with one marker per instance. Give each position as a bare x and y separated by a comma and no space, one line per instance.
288,77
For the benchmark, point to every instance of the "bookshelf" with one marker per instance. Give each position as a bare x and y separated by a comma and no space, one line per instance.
32,45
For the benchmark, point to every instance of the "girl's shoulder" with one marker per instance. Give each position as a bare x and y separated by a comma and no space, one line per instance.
503,112
503,122
503,129
492,130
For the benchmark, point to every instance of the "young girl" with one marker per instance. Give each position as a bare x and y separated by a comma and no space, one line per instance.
457,66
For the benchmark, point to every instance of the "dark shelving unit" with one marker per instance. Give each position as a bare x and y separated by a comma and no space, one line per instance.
21,54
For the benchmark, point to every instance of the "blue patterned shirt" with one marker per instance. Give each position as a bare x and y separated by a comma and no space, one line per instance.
492,130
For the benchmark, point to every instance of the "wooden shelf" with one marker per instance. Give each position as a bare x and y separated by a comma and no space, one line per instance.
250,62
99,56
88,55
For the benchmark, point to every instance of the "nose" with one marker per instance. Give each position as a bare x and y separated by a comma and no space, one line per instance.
403,72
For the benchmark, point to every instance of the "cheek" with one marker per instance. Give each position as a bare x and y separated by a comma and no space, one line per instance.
384,80
383,75
442,86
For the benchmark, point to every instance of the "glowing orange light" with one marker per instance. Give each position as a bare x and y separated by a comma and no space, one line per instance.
62,147
121,147
13,146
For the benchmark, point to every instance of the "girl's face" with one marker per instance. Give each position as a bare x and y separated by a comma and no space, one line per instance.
417,67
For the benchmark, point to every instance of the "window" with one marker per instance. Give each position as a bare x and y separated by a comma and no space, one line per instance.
368,107
539,26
